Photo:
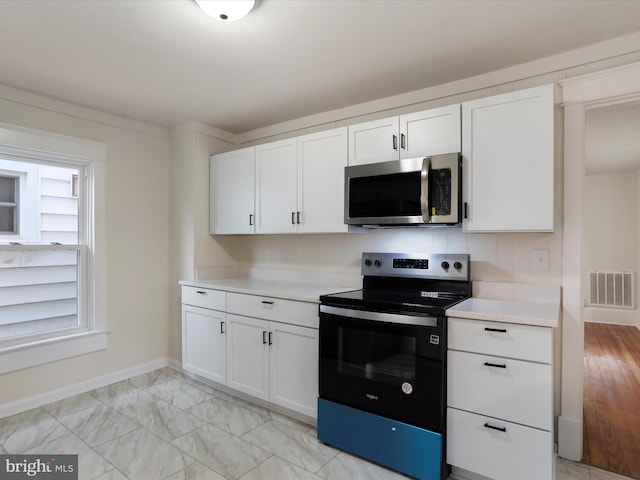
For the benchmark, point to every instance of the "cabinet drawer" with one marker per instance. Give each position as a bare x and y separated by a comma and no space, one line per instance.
204,298
517,452
287,311
524,342
512,390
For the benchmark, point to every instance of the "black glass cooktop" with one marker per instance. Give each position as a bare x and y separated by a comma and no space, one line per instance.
424,302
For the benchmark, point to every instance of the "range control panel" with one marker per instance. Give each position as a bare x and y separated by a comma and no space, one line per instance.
452,266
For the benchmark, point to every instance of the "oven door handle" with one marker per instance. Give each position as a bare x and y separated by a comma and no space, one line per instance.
422,321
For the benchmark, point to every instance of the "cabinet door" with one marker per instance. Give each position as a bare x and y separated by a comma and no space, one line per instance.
232,192
276,187
432,132
293,357
507,148
375,141
321,160
248,355
204,342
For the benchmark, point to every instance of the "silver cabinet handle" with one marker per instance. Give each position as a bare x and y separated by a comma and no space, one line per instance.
251,219
264,337
221,327
395,142
270,338
403,142
298,218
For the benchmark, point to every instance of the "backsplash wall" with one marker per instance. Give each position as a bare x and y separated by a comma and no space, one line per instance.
496,257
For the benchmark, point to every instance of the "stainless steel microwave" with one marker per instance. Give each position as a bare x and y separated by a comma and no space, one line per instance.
409,192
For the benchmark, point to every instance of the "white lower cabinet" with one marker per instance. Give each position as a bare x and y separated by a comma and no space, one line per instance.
203,333
293,362
497,449
500,399
244,346
248,356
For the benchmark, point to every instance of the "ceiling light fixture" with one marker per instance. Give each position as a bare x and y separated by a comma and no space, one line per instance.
226,10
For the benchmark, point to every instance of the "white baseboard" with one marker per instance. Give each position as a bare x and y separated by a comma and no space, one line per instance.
175,364
45,398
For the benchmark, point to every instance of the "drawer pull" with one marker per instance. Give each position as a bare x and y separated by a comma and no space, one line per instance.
495,365
201,292
498,330
267,302
493,427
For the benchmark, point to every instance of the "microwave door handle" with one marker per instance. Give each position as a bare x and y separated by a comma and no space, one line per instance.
424,190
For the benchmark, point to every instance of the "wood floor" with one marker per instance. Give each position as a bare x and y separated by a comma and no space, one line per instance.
612,398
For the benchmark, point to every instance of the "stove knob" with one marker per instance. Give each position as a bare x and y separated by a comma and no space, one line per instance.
445,265
367,262
377,262
457,265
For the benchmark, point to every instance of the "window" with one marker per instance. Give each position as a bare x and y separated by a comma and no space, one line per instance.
51,289
41,272
9,193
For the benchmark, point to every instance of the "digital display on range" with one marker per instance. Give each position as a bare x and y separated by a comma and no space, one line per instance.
422,264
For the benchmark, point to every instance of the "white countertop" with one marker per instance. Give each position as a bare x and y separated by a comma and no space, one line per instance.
303,292
543,314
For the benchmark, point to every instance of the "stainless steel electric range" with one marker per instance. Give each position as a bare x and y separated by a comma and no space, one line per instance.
382,365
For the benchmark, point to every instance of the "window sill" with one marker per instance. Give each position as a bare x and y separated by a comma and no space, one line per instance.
46,351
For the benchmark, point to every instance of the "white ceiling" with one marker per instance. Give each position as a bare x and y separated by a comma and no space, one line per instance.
166,62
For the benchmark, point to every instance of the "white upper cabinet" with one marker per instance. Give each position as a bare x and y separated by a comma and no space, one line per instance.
321,160
507,149
232,192
300,184
277,187
375,141
430,132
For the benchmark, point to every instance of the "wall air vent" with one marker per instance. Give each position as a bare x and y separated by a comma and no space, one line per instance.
612,289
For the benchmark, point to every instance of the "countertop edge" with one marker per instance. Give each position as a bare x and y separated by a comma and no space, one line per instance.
541,314
309,293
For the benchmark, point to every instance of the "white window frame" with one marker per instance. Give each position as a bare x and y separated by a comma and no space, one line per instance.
42,147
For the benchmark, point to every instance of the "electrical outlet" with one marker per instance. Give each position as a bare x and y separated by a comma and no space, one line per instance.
540,259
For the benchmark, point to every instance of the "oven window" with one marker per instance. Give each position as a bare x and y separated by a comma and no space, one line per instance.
374,355
391,195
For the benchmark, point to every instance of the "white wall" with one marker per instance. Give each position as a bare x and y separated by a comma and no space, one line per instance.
137,241
612,207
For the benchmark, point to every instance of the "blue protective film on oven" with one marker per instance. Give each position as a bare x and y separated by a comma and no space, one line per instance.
411,450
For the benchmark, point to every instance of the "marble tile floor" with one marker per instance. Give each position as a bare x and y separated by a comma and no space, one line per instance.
166,425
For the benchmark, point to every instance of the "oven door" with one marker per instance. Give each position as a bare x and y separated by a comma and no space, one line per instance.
388,364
